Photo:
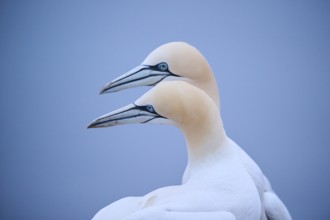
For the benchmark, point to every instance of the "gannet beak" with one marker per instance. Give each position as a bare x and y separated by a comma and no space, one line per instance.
130,114
143,75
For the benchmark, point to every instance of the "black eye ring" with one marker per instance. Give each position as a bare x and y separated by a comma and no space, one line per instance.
162,66
150,108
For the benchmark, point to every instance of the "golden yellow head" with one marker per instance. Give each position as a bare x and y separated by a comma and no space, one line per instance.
176,61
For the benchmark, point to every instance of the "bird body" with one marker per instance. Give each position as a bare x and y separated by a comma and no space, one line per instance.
218,181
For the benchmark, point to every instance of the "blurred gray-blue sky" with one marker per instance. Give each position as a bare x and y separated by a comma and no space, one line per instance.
271,60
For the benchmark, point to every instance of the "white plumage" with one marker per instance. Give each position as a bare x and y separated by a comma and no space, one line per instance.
218,184
179,61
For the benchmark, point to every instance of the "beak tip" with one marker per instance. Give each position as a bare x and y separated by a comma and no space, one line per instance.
92,125
106,88
103,90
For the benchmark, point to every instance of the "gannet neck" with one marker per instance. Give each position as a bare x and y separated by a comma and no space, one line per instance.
206,141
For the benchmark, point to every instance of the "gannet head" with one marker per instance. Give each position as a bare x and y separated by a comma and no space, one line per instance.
171,61
173,102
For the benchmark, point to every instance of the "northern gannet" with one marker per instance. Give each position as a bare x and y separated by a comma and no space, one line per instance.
219,187
180,61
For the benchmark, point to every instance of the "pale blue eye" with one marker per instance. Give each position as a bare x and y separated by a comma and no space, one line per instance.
162,66
150,108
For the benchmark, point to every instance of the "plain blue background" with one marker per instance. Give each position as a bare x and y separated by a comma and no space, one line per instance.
271,60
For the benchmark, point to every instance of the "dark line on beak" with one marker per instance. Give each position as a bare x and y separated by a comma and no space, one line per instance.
134,80
152,119
131,74
118,119
159,80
